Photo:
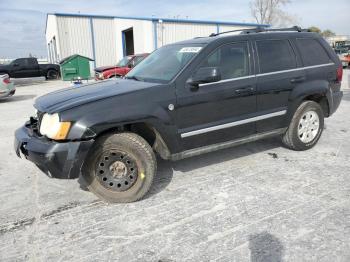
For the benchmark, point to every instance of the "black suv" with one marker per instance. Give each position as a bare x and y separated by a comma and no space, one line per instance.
185,99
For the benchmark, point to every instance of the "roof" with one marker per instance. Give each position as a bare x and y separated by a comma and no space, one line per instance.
66,59
159,19
225,37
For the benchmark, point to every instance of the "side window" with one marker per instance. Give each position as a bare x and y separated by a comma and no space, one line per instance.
20,62
31,62
137,60
231,59
275,55
312,52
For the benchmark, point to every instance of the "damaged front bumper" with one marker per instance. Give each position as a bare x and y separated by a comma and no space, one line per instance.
56,159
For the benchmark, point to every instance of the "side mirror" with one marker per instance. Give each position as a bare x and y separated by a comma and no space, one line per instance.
130,66
205,75
15,64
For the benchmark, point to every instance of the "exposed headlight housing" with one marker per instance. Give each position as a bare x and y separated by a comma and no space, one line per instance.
51,127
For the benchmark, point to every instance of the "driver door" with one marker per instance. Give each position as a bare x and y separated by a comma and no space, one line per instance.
217,112
19,68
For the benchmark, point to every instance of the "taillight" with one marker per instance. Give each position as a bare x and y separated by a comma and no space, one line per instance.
339,73
6,80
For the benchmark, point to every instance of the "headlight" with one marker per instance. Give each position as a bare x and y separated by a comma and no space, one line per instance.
51,127
100,75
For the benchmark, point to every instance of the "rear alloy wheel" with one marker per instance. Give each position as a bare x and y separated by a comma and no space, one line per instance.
120,168
52,74
306,127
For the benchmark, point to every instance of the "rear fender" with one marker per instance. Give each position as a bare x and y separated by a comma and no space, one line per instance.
302,91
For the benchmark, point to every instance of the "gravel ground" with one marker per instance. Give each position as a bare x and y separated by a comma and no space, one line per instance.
256,202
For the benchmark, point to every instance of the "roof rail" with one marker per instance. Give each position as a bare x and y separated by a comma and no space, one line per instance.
263,29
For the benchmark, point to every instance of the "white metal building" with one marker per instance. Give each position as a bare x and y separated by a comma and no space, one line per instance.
106,39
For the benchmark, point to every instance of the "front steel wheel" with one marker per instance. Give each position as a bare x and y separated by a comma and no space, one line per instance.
120,168
116,170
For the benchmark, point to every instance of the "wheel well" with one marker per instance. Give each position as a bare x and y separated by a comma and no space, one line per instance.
116,75
53,69
147,132
142,129
321,100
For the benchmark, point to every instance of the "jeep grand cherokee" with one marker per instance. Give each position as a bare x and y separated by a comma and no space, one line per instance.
185,99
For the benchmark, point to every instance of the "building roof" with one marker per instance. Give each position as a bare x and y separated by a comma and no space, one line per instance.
160,19
68,58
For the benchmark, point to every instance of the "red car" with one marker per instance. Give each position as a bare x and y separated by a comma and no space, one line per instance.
121,69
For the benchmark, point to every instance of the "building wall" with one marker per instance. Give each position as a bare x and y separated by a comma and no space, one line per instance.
51,34
75,36
170,32
105,41
100,38
143,35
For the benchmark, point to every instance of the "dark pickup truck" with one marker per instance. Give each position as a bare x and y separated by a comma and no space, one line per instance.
29,67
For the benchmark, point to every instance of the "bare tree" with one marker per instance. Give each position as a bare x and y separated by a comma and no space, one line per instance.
270,12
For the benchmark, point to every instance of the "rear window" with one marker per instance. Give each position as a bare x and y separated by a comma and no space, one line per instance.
312,52
275,55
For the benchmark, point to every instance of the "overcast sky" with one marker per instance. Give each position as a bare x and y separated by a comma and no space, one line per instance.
22,22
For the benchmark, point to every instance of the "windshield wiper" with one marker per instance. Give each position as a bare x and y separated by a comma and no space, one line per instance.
133,77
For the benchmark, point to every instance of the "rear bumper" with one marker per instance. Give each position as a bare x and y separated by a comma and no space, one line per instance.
57,160
336,98
8,93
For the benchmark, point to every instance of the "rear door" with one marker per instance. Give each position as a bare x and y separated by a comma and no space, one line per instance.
218,112
278,74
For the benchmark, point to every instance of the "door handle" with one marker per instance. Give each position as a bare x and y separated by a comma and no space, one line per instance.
243,90
297,79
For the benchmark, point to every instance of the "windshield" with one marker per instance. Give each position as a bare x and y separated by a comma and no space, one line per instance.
124,61
163,64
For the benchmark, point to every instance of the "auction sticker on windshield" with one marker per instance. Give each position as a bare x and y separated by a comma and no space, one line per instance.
194,49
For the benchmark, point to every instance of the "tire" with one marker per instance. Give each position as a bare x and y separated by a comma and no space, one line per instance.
120,168
304,134
52,74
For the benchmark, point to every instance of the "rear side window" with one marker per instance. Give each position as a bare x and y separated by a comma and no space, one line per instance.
275,55
312,52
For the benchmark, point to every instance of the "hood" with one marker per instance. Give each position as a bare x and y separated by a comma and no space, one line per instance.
104,68
68,98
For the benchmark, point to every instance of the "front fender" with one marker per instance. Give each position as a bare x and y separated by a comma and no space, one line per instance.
114,113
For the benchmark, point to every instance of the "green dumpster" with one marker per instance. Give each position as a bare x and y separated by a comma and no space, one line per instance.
74,67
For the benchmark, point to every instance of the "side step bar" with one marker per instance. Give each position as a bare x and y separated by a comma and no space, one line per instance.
215,147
